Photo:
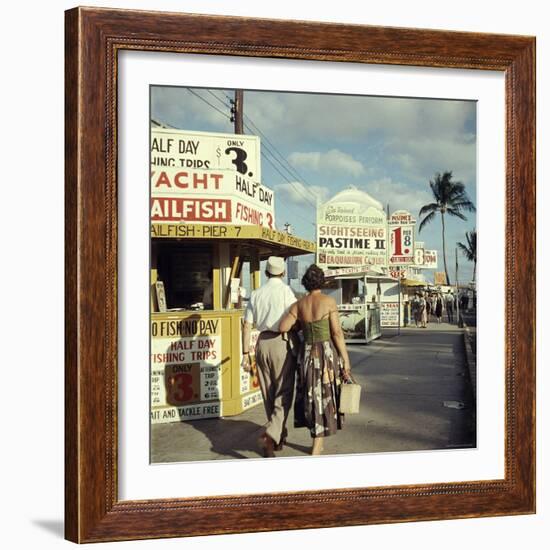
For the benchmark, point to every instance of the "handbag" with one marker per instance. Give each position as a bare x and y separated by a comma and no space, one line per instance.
350,396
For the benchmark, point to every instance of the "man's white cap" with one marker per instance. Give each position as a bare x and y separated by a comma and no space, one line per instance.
275,265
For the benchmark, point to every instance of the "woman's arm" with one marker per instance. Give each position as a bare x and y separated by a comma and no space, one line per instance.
288,321
338,337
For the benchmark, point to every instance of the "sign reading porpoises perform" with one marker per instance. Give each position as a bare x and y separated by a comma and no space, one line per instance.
185,369
351,231
200,177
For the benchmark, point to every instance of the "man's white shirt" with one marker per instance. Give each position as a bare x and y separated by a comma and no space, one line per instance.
268,304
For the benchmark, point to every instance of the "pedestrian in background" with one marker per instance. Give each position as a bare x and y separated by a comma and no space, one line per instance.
449,305
415,308
439,307
423,308
323,363
429,306
433,300
275,352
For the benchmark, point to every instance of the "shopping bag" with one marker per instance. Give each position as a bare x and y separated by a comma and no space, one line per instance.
350,396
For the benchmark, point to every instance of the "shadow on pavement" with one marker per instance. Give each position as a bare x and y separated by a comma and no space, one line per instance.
227,437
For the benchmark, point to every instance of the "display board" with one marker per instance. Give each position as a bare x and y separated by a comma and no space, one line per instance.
186,377
401,227
351,231
204,177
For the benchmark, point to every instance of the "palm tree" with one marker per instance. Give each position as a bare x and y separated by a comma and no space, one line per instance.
450,198
470,249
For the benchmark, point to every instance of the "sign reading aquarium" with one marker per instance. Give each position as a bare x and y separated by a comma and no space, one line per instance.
351,231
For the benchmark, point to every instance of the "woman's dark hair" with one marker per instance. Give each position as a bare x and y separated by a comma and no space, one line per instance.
313,278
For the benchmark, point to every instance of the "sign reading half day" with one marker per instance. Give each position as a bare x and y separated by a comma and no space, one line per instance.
201,177
351,231
186,381
401,224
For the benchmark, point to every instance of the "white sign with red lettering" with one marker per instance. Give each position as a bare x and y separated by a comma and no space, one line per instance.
199,177
185,369
425,259
401,224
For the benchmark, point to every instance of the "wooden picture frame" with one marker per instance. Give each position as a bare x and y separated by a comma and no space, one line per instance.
93,39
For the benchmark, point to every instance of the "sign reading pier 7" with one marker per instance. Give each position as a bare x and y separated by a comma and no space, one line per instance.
351,231
203,177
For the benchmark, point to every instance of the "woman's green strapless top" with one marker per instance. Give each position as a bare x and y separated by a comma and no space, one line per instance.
316,331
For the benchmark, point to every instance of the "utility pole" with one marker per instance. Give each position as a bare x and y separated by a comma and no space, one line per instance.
456,287
237,111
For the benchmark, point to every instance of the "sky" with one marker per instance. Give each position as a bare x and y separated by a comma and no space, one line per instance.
389,147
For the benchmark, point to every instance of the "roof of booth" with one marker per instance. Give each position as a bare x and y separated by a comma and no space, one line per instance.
266,241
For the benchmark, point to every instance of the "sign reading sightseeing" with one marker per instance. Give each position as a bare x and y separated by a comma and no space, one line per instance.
351,231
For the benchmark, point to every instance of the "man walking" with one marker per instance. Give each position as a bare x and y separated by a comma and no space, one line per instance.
449,305
275,352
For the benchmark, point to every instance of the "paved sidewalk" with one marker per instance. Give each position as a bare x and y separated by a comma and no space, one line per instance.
406,379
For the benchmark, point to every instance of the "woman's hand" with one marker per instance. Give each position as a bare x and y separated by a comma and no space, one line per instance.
346,370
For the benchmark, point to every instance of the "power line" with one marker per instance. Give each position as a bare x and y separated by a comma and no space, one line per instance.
208,103
293,171
285,165
219,99
294,186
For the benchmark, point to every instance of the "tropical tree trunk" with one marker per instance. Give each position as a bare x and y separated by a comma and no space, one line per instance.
474,275
444,253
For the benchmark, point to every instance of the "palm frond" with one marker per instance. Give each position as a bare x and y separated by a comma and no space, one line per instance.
457,213
464,203
469,250
466,251
426,220
433,206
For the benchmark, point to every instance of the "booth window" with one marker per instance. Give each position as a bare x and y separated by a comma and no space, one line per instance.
186,272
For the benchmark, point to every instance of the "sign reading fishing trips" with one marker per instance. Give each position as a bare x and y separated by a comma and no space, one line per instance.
186,380
204,177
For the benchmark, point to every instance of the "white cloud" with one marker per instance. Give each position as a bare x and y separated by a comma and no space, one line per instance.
303,195
398,195
419,159
324,117
333,161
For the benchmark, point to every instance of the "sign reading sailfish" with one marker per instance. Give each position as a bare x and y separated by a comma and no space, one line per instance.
204,177
351,231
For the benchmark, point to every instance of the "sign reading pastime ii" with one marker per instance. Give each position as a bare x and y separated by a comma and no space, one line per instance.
351,231
203,177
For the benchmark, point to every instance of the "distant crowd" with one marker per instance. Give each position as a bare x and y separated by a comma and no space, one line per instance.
426,305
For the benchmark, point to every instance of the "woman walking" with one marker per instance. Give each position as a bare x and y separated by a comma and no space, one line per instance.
438,308
423,306
323,361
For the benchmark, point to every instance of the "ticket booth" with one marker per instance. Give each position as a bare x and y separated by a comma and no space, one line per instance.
201,279
357,294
